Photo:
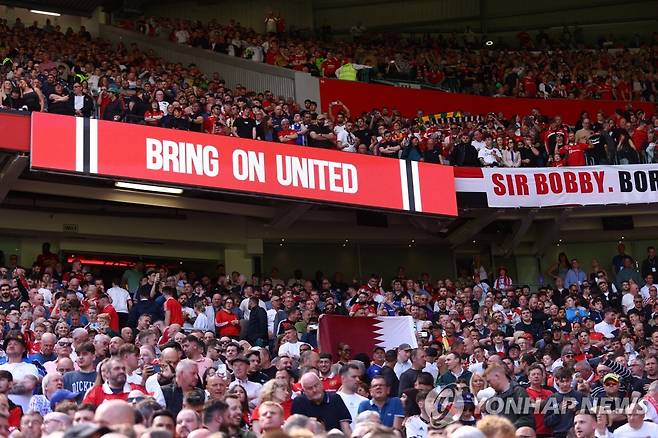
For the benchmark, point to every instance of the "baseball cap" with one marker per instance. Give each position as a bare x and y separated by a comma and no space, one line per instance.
404,347
60,395
611,376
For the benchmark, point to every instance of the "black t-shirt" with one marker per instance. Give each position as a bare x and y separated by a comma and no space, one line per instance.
326,144
245,127
195,126
432,156
386,144
330,412
598,150
140,106
65,108
7,306
364,136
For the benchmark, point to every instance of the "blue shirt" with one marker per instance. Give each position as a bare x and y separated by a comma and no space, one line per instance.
391,409
575,314
39,357
373,370
574,277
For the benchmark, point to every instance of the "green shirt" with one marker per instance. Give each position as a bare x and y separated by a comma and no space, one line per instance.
132,278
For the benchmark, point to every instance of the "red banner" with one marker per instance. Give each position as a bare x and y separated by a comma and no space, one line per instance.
360,97
183,158
15,129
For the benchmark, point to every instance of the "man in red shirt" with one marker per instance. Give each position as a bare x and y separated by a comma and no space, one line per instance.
287,135
115,388
538,393
172,308
529,85
104,301
575,152
330,65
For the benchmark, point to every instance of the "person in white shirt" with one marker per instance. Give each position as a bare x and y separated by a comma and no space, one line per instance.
201,321
346,140
648,284
15,348
244,304
404,361
478,142
607,326
25,376
350,375
490,156
636,426
121,300
240,367
291,345
431,366
45,290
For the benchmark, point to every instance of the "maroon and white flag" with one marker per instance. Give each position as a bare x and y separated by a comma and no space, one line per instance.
363,334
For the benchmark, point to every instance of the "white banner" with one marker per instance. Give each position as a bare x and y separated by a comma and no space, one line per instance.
545,187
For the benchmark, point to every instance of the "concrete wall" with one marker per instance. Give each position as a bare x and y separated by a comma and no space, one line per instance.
341,15
499,18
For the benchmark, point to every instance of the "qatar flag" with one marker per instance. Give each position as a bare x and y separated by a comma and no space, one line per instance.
363,334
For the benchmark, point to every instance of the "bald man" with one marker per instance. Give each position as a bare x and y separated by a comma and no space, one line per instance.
325,406
171,357
114,412
526,432
115,343
200,433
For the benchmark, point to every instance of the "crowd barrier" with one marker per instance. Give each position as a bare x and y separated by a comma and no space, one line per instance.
360,97
183,158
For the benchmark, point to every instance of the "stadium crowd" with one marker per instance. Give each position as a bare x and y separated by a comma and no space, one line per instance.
163,352
70,73
540,66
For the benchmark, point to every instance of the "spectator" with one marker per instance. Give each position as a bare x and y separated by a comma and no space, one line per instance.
390,409
115,388
569,402
506,390
327,407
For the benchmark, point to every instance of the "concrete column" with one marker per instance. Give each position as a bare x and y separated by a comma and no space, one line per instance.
237,259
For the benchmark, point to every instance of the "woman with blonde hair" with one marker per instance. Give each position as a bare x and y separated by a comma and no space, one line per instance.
273,391
5,94
481,391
